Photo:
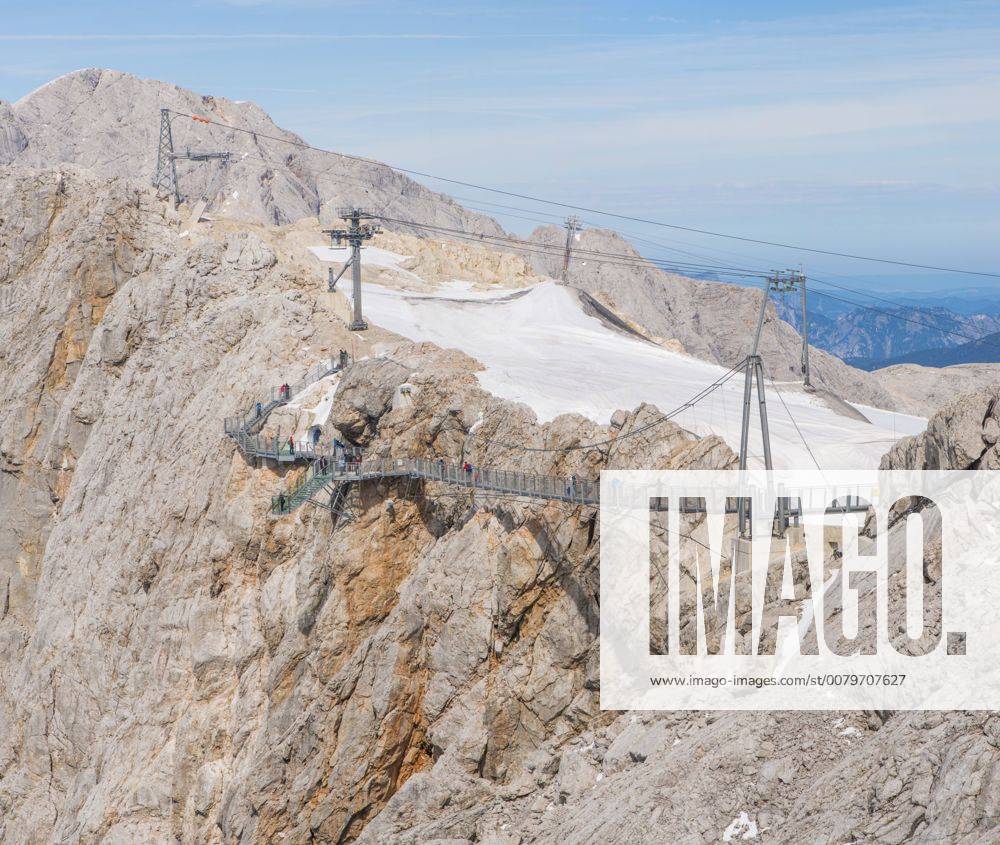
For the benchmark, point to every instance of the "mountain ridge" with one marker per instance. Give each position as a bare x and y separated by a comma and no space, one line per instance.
983,350
711,320
108,121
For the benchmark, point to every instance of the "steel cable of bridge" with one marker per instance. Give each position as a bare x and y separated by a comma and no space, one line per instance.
587,210
630,236
557,220
557,252
553,249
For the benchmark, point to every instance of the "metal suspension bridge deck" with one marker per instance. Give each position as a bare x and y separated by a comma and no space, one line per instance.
331,471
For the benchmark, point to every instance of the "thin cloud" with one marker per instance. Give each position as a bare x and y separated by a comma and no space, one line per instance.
247,36
357,36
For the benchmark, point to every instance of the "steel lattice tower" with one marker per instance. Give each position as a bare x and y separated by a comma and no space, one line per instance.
165,180
779,281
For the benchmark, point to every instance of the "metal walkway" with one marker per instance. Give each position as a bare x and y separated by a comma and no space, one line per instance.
333,471
336,468
244,430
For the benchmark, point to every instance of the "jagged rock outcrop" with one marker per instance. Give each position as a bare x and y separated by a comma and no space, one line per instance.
963,435
109,122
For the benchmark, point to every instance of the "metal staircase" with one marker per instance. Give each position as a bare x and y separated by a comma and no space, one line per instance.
316,477
244,430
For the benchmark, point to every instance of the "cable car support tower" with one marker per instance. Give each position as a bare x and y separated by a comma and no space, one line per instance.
355,235
572,226
165,180
779,281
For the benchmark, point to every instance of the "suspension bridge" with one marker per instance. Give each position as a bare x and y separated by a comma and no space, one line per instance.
331,470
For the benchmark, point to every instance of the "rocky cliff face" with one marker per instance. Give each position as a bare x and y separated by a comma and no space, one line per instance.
109,122
68,245
125,341
962,435
177,665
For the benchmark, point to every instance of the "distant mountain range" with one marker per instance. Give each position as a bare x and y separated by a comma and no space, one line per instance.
985,350
870,339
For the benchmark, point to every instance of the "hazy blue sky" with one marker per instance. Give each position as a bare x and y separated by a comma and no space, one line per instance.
859,126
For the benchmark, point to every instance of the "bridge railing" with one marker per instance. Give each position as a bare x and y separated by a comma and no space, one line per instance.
349,465
321,370
325,466
562,488
258,412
